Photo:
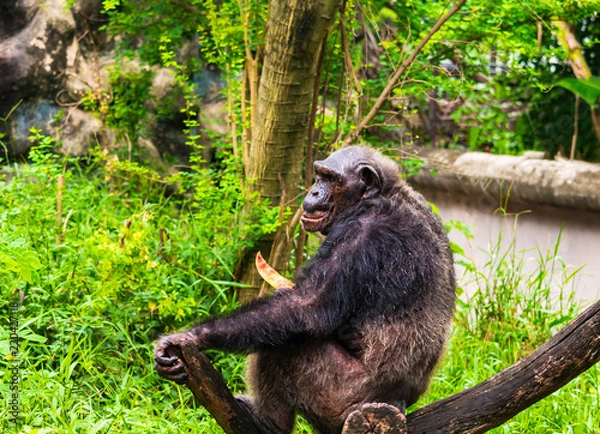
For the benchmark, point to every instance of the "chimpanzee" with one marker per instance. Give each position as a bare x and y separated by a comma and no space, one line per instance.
369,315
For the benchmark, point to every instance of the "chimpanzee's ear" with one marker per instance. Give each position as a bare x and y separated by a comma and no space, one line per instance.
370,178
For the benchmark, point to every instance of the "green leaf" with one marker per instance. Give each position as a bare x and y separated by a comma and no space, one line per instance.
28,335
586,88
8,263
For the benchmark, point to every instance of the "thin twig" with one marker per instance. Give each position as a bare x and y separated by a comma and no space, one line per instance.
408,62
323,106
279,241
338,105
123,236
575,128
232,123
347,55
245,134
308,174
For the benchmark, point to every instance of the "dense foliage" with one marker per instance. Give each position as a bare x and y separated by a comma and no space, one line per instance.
125,263
100,286
485,81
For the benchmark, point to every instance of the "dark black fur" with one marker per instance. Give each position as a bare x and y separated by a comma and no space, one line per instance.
370,312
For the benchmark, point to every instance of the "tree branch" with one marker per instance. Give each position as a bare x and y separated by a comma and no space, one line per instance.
569,353
575,128
210,391
409,61
347,55
580,68
185,6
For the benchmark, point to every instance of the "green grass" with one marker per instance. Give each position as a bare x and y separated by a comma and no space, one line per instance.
510,313
95,302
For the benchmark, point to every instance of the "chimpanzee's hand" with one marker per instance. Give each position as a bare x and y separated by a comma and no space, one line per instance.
168,361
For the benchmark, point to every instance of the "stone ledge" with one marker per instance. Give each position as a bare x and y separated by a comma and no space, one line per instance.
526,179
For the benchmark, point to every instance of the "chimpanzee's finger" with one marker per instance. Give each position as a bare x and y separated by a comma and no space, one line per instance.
162,358
175,373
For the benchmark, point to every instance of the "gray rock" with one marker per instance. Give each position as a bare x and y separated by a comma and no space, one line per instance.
78,131
162,83
33,58
51,56
15,15
209,83
75,132
150,153
40,115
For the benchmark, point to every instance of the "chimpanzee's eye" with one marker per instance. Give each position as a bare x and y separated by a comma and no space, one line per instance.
327,177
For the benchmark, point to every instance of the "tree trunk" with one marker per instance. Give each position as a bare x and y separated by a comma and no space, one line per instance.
295,33
575,57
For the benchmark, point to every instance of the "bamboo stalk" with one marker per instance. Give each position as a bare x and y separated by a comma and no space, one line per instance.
59,209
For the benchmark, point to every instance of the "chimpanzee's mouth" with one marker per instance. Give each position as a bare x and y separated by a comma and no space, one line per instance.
314,217
315,220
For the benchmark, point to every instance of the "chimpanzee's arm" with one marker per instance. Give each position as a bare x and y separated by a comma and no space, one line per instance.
366,264
264,323
325,296
353,273
273,321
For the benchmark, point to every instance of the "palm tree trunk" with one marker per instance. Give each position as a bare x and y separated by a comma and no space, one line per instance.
295,33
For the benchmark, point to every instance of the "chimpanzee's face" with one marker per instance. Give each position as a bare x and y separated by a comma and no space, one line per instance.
341,182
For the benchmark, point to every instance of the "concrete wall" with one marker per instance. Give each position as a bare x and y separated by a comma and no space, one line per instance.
535,230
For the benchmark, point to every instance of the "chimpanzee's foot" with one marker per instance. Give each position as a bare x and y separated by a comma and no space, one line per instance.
376,418
400,405
263,423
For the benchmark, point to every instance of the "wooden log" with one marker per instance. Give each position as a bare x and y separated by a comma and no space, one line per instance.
375,418
212,393
572,351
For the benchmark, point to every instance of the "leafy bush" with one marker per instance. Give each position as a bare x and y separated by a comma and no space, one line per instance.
123,264
126,107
